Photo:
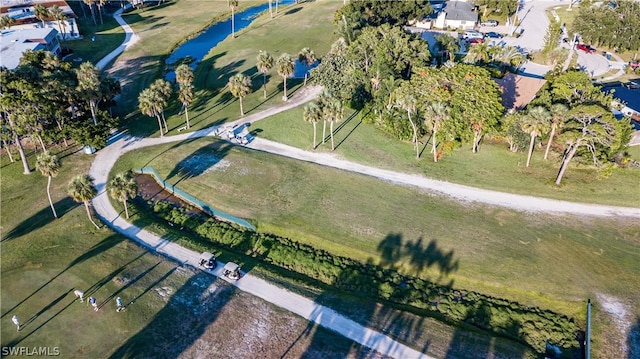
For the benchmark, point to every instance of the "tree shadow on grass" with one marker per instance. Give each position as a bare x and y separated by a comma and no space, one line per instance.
200,161
633,340
101,247
40,219
185,317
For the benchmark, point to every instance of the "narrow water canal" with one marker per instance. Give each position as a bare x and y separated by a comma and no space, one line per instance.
198,47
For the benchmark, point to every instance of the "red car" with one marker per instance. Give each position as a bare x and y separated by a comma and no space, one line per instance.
476,40
586,48
634,65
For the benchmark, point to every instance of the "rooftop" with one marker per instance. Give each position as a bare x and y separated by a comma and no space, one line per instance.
14,42
460,10
518,90
630,97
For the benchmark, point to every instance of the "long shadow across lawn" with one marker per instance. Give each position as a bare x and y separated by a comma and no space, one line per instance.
201,160
40,219
181,322
103,246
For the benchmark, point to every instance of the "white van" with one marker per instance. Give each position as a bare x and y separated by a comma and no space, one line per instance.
472,34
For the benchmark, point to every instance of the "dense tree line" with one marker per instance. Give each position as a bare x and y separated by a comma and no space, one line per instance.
47,101
613,24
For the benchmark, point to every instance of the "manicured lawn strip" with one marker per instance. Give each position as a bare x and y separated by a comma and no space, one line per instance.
44,259
493,251
214,104
493,167
108,36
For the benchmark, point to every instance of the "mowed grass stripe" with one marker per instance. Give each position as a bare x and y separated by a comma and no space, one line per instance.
499,252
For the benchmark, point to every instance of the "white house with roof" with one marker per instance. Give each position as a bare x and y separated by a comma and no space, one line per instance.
21,11
451,15
14,43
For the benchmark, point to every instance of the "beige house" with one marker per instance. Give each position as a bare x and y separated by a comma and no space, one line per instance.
22,13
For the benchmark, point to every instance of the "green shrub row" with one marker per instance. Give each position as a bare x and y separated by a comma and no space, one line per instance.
529,325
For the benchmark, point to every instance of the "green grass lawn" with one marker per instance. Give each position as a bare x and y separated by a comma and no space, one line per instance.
496,251
108,36
313,28
493,167
175,310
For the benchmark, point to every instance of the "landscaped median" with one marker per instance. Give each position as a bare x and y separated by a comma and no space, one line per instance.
530,325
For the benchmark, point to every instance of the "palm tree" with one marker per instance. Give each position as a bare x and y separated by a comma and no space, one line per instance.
332,111
6,21
100,4
478,53
122,188
184,78
48,165
240,86
149,106
312,114
264,64
306,57
81,189
558,113
59,16
41,13
447,43
161,90
89,3
535,123
270,9
185,95
408,102
89,86
436,114
510,56
284,66
233,4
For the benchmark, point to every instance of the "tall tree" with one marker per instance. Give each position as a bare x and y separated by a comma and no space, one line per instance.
81,189
407,101
41,13
435,115
306,57
264,64
148,105
184,78
588,126
535,123
6,21
48,165
284,66
558,113
240,86
60,17
312,114
332,112
478,54
89,3
447,44
89,86
161,90
100,5
122,188
233,4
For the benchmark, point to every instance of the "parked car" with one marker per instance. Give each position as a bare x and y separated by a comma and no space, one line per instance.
494,35
475,41
634,65
586,48
472,34
492,23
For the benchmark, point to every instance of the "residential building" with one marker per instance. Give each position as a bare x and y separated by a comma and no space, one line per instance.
15,42
450,15
22,13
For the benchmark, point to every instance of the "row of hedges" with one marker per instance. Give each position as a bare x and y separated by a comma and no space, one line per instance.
530,325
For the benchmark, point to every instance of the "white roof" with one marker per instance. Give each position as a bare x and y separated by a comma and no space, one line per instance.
14,42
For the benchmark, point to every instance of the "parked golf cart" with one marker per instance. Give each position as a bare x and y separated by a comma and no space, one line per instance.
208,260
232,271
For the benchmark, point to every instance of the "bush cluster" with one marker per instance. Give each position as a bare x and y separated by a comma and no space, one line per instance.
530,325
